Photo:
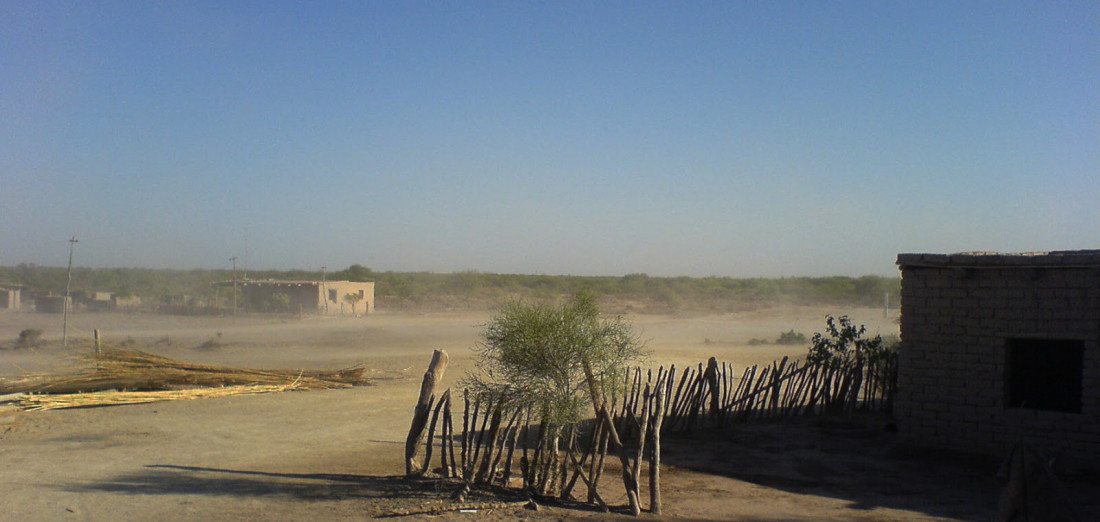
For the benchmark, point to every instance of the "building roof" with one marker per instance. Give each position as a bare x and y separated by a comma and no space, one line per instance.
1059,258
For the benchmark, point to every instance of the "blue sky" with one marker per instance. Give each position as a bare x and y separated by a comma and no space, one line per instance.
735,139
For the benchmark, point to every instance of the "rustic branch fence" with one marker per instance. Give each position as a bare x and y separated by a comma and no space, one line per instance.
502,445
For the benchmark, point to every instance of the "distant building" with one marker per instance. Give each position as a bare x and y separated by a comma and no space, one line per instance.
94,301
52,304
315,297
104,301
125,303
1001,349
10,297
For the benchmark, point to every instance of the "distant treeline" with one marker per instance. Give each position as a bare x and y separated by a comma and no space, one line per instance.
428,291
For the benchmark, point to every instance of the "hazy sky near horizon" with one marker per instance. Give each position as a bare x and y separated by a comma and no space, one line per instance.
731,138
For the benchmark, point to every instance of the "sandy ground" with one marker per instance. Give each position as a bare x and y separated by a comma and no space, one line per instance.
335,455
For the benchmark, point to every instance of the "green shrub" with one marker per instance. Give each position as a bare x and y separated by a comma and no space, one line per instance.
845,343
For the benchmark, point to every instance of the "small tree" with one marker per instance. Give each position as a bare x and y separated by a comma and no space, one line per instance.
353,299
536,355
555,359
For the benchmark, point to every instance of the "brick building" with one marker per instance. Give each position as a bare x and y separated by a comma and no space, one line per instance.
1001,349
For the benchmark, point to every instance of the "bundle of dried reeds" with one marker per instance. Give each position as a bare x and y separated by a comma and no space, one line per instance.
114,397
129,370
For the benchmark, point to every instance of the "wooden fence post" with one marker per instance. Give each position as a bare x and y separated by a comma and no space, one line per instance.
432,377
711,377
655,458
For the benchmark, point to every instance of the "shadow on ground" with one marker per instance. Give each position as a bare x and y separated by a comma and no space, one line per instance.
164,479
856,461
860,461
387,494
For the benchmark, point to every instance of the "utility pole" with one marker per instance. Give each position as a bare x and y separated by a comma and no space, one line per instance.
324,290
234,260
65,303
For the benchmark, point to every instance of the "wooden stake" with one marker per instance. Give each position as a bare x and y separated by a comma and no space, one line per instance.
643,424
431,432
712,382
655,461
511,452
628,481
591,485
465,433
494,431
589,449
505,435
448,453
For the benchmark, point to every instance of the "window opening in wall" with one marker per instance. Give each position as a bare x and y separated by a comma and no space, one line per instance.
332,295
1045,374
361,294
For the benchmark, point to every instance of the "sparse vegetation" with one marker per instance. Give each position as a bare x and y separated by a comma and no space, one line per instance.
785,338
29,338
791,337
212,343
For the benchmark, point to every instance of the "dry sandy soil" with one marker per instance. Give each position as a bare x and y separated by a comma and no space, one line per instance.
334,455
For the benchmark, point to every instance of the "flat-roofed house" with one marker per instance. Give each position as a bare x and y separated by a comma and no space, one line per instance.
313,297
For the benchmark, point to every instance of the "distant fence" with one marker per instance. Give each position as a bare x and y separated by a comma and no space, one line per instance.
501,445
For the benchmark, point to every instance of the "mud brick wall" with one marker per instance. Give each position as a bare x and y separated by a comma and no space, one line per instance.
961,314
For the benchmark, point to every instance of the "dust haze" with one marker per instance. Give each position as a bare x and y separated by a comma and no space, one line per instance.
337,454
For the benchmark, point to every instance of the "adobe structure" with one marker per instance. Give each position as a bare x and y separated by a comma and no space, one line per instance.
314,297
999,350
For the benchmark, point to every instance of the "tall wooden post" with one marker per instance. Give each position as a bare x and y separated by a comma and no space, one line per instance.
432,377
65,303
